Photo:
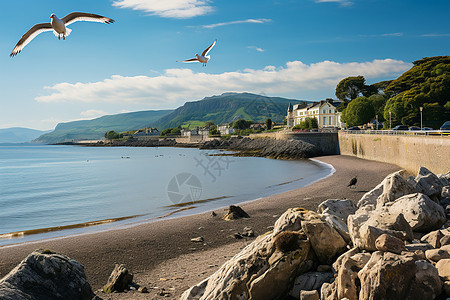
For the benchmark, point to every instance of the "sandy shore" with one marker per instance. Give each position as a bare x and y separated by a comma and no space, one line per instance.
161,254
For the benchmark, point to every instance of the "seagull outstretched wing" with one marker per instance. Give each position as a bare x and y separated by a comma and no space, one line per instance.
29,35
80,16
204,53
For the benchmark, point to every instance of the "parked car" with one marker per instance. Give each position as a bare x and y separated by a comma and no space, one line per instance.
354,128
414,128
400,127
445,126
427,129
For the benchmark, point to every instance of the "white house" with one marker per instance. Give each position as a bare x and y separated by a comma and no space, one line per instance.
225,129
324,111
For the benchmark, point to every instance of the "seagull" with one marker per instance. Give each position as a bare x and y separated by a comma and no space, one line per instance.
202,58
58,26
353,182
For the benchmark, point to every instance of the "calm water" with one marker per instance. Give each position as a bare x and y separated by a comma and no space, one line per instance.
49,186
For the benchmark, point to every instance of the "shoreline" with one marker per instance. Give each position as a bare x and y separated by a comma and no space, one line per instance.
145,247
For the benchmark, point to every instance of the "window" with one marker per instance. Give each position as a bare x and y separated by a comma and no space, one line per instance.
324,121
329,120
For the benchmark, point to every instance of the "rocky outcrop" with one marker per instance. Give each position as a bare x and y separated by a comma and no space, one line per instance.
397,236
235,212
46,275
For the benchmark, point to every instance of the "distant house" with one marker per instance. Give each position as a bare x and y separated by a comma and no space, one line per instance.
225,129
204,132
146,132
324,111
257,126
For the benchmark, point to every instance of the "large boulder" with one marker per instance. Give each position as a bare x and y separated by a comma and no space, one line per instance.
371,197
266,268
422,214
339,225
366,226
427,183
443,267
394,187
326,242
393,276
339,208
46,275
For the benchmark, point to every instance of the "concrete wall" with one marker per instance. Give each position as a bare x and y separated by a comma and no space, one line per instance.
408,152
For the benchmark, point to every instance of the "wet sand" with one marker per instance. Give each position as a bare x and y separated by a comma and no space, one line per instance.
161,254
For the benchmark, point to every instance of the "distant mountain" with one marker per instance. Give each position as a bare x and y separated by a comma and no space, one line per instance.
96,128
220,109
19,135
228,107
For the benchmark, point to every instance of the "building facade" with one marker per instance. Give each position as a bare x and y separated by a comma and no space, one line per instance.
324,111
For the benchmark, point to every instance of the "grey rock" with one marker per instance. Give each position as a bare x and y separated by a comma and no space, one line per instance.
339,208
290,220
46,275
339,225
433,238
422,214
428,183
394,187
418,247
370,198
235,212
309,295
436,255
310,281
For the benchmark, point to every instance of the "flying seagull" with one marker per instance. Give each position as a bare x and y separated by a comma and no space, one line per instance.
58,26
353,182
202,58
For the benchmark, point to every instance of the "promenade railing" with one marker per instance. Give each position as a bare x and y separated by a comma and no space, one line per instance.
401,132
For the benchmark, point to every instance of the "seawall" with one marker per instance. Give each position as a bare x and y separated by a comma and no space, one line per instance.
408,152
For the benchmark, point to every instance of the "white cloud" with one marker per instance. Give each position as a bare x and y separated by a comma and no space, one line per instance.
254,21
176,86
393,34
180,9
92,113
256,48
342,2
435,35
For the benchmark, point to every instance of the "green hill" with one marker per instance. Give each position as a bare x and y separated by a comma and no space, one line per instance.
19,135
228,107
96,128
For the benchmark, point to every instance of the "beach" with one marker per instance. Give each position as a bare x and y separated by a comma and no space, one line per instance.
161,255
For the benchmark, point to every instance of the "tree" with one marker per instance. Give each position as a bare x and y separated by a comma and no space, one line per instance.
350,88
269,124
112,135
359,111
378,103
241,124
209,124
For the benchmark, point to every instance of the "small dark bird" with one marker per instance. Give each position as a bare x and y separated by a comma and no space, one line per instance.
352,182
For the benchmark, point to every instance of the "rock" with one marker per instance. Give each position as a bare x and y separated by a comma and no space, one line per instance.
418,247
433,238
427,183
235,212
443,267
328,291
422,214
386,242
213,214
142,289
370,198
366,226
444,178
437,254
46,275
119,280
323,268
446,288
199,239
290,220
393,276
248,232
326,242
259,271
339,208
347,281
445,192
339,225
309,295
445,240
394,187
309,281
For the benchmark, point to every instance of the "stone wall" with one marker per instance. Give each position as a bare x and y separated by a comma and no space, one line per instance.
327,142
408,152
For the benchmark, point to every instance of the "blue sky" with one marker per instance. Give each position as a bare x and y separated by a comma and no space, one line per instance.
295,48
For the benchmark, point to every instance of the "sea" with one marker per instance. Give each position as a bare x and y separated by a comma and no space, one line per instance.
49,191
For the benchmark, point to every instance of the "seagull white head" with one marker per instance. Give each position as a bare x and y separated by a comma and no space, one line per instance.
52,16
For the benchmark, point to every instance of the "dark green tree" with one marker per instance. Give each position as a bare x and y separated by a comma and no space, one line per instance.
378,103
350,88
359,111
112,135
269,124
241,124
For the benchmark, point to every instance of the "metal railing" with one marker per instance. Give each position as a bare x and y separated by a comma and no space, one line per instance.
401,132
